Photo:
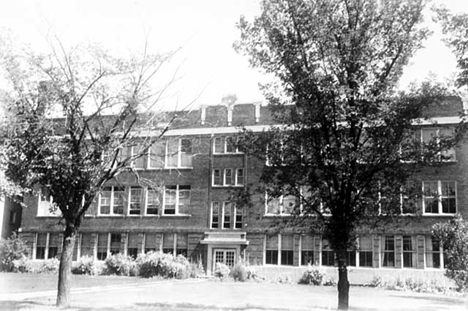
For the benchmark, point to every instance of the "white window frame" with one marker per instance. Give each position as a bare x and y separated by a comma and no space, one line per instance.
43,206
235,211
146,203
142,201
112,200
163,145
177,199
222,177
144,158
224,144
280,204
179,153
439,197
450,151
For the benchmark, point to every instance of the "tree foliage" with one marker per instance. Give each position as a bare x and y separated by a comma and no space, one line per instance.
73,118
344,145
454,238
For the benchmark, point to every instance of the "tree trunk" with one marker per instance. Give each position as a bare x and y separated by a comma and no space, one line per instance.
64,277
343,283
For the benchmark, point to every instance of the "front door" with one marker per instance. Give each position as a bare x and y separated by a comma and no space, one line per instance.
225,256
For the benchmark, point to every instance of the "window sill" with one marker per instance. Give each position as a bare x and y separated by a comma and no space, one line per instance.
228,186
439,214
278,215
176,216
227,153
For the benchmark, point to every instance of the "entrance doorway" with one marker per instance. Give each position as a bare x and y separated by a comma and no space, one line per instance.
225,256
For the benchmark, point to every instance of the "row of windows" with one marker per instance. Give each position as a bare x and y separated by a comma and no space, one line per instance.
280,250
225,215
437,197
228,177
172,200
102,245
428,136
135,200
172,153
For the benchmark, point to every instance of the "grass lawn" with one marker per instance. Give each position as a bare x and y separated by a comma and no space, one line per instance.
37,292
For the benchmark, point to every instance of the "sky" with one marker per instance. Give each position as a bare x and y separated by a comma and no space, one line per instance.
205,30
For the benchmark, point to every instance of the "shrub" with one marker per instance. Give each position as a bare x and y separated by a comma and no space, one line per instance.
120,264
376,281
454,238
49,266
252,274
221,270
164,265
12,249
85,265
312,276
22,265
196,269
239,272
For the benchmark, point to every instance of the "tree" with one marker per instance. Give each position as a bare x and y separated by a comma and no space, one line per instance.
454,237
103,107
344,144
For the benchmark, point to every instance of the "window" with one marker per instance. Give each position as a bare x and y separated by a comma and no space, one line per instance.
157,154
365,252
239,218
217,177
271,253
151,243
388,258
410,198
41,245
239,176
448,197
328,255
46,206
439,197
54,241
182,244
115,242
153,199
287,250
179,153
87,245
431,136
111,201
225,215
307,250
447,154
433,253
102,246
132,245
281,205
136,201
215,215
176,199
228,177
225,144
168,243
409,252
351,258
139,153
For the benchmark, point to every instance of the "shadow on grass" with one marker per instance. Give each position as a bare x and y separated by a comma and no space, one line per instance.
23,305
439,299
